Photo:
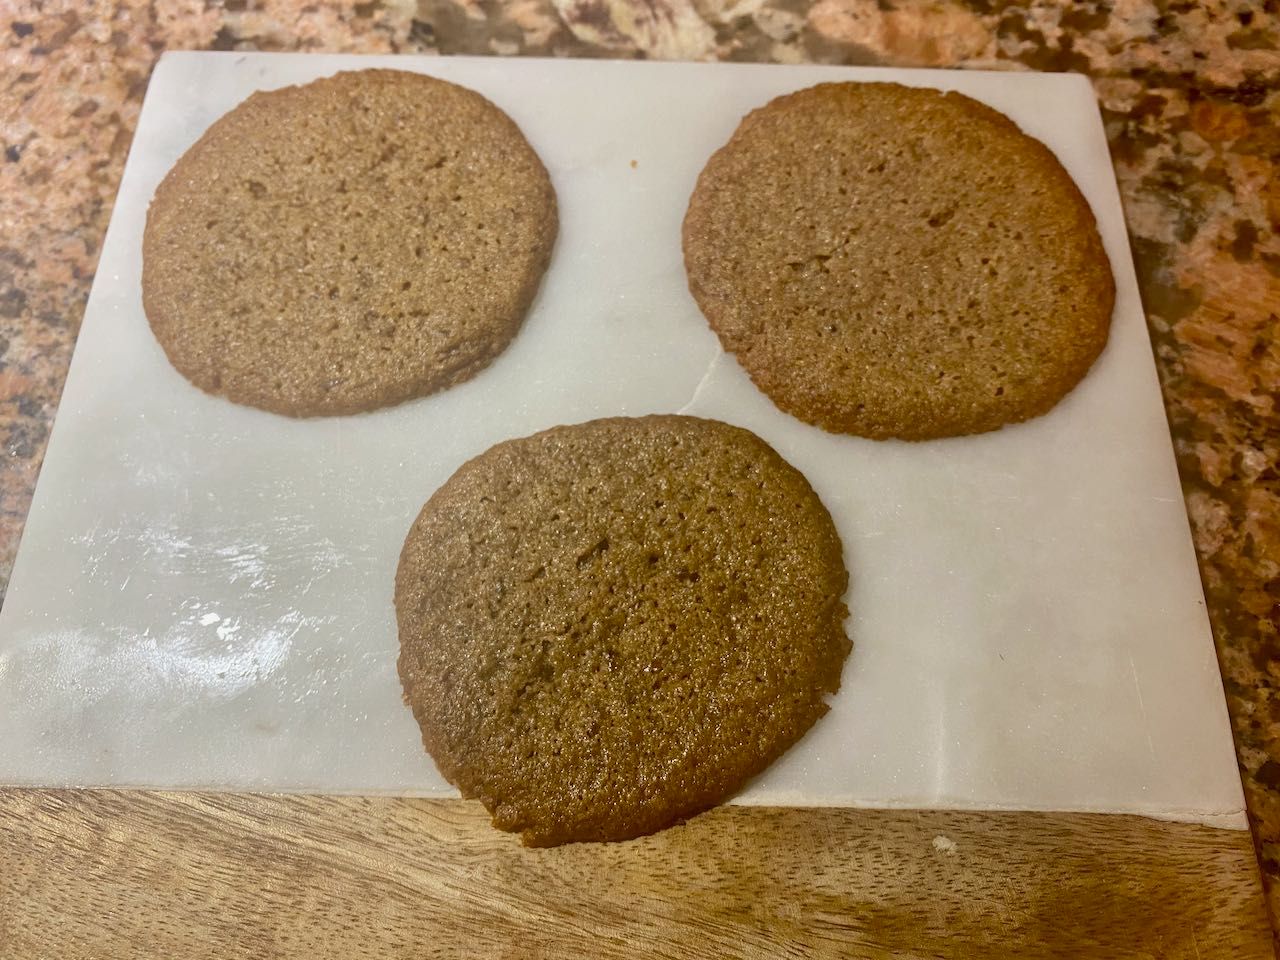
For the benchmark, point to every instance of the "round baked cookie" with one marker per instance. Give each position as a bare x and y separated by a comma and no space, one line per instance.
609,627
897,262
347,244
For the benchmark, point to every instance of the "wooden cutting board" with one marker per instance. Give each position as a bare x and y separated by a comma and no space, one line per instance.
160,875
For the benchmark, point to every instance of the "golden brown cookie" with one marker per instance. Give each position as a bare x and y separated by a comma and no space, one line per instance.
347,244
608,627
897,262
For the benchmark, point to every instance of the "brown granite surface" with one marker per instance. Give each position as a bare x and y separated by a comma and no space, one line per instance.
1191,98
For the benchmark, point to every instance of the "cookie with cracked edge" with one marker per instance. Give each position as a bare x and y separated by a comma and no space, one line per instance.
609,627
347,244
889,261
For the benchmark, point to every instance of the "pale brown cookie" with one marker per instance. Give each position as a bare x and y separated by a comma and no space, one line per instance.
347,244
897,262
608,627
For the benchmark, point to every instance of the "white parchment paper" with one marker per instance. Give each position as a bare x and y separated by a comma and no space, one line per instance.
203,593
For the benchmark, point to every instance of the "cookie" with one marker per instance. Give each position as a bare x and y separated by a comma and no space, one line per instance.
889,261
347,244
609,627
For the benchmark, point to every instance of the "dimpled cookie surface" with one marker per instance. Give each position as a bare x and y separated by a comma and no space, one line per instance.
890,261
347,244
609,627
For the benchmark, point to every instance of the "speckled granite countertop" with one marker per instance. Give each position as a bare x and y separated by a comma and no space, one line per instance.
1191,97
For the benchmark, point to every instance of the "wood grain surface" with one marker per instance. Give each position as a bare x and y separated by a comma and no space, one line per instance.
108,874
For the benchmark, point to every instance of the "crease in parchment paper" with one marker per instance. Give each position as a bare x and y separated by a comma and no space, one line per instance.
712,365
